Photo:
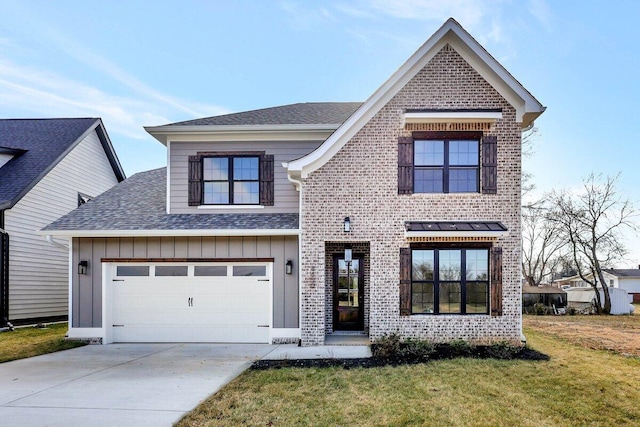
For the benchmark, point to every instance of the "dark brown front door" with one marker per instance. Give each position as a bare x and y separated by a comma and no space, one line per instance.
348,294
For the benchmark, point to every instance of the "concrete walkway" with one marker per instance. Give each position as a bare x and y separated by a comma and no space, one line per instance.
132,384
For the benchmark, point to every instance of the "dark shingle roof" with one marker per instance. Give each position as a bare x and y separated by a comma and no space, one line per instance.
622,272
455,226
309,113
38,145
138,203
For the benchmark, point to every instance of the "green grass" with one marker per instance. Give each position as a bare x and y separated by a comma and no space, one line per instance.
576,387
29,342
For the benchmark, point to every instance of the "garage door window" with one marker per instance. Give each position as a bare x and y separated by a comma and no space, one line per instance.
249,270
210,270
171,270
132,270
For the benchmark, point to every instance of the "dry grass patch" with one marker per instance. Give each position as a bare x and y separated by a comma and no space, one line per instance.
571,389
29,342
619,334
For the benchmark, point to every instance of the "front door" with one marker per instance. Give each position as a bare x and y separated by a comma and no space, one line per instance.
348,294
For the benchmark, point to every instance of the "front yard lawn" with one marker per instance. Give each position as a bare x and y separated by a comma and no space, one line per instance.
578,386
29,342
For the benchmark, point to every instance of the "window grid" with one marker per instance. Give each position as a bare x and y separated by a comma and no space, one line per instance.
458,282
446,166
231,180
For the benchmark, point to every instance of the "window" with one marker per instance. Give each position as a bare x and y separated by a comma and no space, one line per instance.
249,270
171,270
224,178
450,281
132,270
448,162
446,166
231,180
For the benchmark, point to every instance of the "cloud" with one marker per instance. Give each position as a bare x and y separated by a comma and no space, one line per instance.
540,10
42,93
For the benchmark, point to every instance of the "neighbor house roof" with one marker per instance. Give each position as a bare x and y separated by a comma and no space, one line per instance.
137,207
527,107
622,272
541,290
37,145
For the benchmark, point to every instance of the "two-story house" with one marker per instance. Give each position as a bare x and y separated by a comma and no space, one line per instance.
399,214
47,168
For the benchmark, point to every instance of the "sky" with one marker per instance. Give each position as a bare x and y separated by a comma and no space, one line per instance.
137,63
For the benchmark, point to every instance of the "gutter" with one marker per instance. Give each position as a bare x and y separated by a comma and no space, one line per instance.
57,244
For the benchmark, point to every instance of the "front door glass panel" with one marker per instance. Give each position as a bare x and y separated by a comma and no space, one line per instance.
348,298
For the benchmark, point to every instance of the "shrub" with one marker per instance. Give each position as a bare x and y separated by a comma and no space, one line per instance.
415,349
386,347
503,350
461,348
540,309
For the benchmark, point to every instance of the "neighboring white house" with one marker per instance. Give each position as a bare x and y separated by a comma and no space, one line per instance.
627,279
48,167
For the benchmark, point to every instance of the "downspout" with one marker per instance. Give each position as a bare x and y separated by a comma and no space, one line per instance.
523,338
57,244
298,185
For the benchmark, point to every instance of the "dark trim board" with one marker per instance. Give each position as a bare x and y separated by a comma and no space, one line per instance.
226,260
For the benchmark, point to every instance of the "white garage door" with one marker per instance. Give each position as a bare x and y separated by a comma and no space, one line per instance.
191,302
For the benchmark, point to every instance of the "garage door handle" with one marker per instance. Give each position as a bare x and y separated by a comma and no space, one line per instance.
190,302
263,326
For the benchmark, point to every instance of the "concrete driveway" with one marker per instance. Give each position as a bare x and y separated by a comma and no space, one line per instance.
118,384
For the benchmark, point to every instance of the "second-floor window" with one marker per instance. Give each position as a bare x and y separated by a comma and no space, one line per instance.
446,166
231,180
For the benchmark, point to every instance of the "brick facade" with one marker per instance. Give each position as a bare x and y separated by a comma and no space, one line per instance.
361,182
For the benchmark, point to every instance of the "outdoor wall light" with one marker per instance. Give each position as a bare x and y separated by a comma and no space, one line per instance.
288,267
348,255
83,266
347,225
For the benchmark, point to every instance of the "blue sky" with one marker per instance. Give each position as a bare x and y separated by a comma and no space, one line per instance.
139,63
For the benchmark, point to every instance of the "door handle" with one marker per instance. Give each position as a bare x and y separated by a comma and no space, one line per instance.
190,302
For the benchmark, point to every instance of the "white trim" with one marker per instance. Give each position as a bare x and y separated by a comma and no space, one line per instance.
284,333
71,276
476,234
79,333
168,176
173,233
230,207
108,273
453,117
527,107
295,132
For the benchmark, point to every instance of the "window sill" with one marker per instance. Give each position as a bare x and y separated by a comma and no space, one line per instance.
218,207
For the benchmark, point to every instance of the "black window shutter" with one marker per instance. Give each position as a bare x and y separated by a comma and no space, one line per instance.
489,164
266,180
496,281
405,281
195,180
405,165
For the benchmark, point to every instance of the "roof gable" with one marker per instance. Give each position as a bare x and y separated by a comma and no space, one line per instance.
37,146
452,34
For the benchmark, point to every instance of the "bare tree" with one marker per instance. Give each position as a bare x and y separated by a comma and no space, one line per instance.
592,221
527,151
542,244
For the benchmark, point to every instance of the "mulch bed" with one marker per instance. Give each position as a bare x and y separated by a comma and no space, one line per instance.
442,353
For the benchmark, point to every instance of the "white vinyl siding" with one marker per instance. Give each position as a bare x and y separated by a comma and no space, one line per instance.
285,195
38,271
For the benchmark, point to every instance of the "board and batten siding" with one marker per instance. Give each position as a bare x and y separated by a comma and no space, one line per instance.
87,289
285,195
38,271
